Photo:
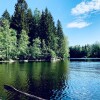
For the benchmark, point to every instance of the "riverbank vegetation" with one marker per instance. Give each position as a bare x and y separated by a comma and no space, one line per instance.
87,51
31,36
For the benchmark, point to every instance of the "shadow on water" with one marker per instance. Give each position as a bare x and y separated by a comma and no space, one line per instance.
85,59
43,79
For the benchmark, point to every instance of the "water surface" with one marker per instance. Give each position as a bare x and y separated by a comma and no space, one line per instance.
74,80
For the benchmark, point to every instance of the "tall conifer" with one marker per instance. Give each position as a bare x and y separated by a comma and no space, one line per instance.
6,15
19,18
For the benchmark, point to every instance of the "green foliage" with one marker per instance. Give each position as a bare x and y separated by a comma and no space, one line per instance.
36,49
44,49
51,53
29,17
19,21
37,36
7,41
62,42
23,45
6,15
95,50
34,26
92,51
65,47
47,28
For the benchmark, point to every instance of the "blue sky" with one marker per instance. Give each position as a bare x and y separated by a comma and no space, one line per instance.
80,18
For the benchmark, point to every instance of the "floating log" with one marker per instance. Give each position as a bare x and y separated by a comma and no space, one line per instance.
12,89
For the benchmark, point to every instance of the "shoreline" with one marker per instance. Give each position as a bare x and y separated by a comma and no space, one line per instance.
84,58
42,60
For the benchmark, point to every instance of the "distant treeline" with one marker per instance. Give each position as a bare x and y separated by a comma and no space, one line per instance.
87,51
27,35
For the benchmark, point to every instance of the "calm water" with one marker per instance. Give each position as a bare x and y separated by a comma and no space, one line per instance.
75,80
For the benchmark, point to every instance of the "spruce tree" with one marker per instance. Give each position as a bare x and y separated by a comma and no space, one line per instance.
37,16
52,37
30,25
34,26
62,48
47,29
29,19
42,27
18,21
6,15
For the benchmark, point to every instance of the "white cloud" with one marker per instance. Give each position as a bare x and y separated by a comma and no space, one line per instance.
86,7
83,11
77,24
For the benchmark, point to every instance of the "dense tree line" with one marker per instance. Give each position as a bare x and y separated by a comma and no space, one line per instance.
87,51
27,35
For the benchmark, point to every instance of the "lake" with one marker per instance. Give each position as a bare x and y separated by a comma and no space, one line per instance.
64,80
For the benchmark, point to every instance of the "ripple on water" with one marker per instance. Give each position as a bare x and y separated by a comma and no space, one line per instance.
55,81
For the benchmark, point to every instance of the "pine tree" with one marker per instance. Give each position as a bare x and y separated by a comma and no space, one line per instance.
37,16
62,48
29,17
6,15
52,35
30,25
34,27
42,27
47,29
18,21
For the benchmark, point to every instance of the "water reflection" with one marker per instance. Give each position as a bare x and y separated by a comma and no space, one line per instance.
53,81
85,59
44,79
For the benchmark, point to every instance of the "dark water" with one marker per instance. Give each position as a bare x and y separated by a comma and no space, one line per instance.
66,80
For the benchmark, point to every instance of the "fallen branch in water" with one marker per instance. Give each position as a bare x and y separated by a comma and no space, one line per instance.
12,89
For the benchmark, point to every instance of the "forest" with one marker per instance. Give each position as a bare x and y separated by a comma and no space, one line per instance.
34,35
31,35
87,51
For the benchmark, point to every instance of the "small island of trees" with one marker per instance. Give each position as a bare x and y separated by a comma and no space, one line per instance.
31,36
